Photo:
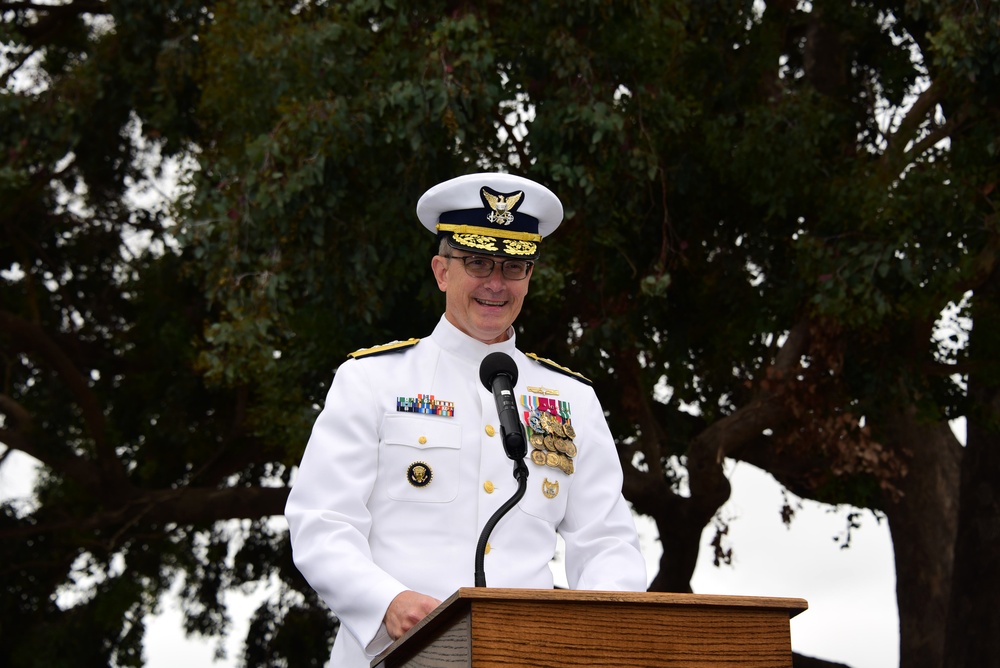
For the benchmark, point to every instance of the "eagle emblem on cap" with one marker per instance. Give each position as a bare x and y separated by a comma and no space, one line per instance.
503,207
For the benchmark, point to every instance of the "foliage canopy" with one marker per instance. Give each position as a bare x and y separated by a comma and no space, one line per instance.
769,204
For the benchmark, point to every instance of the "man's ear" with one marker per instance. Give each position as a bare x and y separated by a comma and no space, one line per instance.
439,265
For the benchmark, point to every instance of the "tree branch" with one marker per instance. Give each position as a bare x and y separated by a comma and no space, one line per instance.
32,337
725,436
75,8
69,466
933,137
48,18
647,490
983,265
185,506
911,122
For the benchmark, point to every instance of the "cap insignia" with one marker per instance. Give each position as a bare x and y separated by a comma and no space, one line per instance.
419,474
502,206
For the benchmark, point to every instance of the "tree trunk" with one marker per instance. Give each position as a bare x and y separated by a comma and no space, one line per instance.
923,522
973,631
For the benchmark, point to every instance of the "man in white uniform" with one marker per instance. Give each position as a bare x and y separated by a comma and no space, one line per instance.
405,465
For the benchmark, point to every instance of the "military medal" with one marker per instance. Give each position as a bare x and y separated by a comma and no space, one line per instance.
535,422
551,434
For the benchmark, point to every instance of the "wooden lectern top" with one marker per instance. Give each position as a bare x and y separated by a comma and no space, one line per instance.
484,627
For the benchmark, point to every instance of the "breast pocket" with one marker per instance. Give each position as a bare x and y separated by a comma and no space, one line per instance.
420,458
546,494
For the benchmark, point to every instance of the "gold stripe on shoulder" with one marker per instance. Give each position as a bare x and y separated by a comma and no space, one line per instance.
385,348
561,369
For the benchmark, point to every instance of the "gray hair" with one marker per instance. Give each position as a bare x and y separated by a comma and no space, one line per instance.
444,247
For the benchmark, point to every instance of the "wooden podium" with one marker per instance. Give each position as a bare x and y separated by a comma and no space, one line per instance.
483,627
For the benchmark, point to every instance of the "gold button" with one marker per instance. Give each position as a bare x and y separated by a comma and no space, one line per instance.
488,548
422,440
490,431
488,486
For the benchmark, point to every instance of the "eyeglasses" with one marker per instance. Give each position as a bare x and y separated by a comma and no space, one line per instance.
482,267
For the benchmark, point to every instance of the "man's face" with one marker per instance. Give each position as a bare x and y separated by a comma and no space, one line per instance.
483,308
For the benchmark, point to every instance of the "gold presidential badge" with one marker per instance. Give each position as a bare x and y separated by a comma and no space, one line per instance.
550,489
419,474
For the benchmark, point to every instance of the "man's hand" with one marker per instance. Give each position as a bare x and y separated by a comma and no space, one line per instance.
408,608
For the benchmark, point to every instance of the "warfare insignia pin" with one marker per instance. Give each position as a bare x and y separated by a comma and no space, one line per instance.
419,474
550,489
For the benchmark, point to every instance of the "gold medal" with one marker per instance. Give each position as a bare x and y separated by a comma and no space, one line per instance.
538,457
568,429
545,419
570,449
537,441
552,459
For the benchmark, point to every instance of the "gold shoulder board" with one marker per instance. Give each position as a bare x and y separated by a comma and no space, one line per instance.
561,369
385,348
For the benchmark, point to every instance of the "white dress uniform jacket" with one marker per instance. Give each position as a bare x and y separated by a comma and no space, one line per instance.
387,500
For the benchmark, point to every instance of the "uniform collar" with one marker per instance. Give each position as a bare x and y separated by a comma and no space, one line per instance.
458,343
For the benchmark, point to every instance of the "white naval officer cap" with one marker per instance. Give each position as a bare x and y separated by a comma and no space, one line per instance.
491,214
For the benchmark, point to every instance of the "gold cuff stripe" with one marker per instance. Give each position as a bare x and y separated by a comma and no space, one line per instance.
489,232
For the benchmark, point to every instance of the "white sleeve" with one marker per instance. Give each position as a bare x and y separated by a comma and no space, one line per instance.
327,512
602,545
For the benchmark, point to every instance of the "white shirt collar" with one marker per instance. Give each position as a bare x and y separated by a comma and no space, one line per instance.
457,342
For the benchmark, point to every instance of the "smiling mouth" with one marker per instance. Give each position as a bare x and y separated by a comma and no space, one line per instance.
486,302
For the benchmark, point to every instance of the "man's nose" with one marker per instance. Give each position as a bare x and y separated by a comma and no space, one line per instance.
496,276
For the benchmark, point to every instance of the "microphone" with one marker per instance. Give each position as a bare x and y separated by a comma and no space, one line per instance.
499,374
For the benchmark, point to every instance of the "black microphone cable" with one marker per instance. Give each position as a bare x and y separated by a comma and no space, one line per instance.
498,372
